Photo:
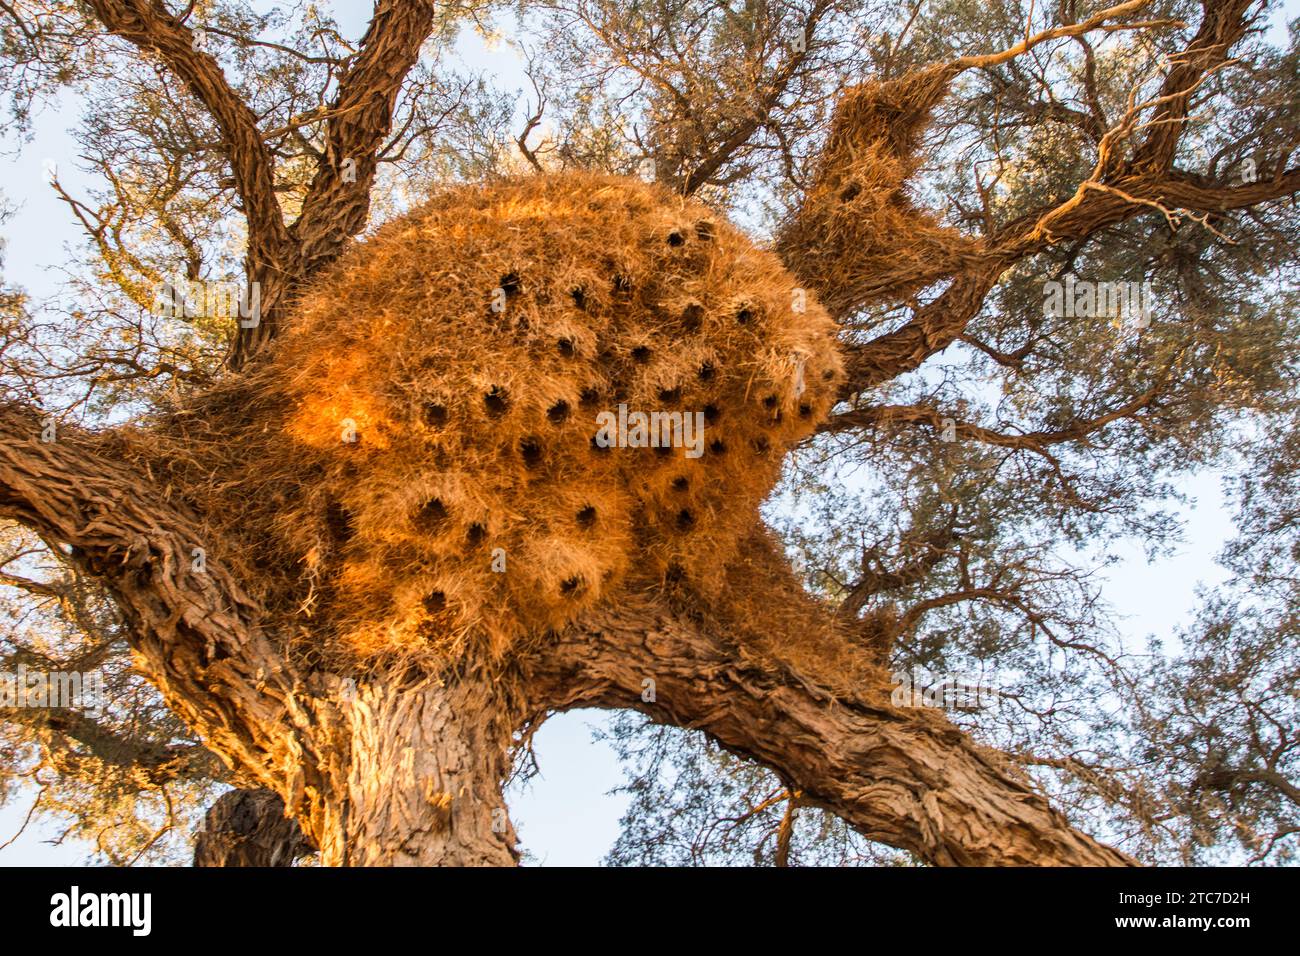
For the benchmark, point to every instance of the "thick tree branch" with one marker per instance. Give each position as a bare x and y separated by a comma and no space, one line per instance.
1225,22
361,117
196,630
939,323
903,776
906,778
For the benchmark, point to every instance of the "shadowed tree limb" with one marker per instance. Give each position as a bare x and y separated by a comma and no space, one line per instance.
71,738
248,828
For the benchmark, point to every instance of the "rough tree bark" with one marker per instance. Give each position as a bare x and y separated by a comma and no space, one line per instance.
903,776
419,777
248,828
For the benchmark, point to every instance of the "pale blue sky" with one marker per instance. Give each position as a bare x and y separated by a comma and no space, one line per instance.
565,816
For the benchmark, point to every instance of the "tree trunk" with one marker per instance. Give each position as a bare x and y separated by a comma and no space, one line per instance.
418,778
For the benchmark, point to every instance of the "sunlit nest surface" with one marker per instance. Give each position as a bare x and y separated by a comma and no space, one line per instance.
442,387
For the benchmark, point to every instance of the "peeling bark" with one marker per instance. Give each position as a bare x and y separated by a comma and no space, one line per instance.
419,777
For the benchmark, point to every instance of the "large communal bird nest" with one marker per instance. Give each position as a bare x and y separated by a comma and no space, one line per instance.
445,446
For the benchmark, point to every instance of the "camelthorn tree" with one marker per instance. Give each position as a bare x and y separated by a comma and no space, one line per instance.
959,292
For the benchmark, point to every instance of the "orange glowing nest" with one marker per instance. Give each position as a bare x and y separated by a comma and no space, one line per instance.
446,385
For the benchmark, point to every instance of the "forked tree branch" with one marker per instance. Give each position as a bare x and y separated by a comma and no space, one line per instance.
871,152
156,32
280,258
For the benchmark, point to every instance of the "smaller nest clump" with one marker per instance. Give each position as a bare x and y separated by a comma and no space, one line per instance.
858,229
441,398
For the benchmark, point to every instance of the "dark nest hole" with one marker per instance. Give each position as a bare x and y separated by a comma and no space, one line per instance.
711,414
579,297
685,519
432,514
692,317
496,401
641,354
681,483
510,284
338,521
531,451
435,414
565,347
676,239
558,413
718,447
476,534
707,372
670,396
571,587
435,602
587,517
